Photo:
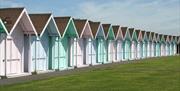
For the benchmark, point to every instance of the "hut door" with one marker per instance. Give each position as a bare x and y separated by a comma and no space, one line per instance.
89,51
76,52
79,52
174,49
13,58
138,50
55,53
152,49
144,51
126,50
148,49
62,52
2,54
33,53
114,51
119,50
72,51
100,51
41,62
110,50
133,50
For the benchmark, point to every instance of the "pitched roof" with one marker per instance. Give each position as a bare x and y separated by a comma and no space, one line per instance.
148,34
106,28
94,27
160,36
124,30
143,33
174,38
9,16
79,24
115,29
131,31
165,37
156,35
39,21
152,34
137,32
62,23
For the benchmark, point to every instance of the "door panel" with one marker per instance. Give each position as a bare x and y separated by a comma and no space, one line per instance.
119,50
62,52
13,58
2,54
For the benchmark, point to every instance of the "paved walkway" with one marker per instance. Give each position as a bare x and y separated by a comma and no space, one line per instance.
57,73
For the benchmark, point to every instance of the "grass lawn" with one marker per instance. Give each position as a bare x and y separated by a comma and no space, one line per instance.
156,74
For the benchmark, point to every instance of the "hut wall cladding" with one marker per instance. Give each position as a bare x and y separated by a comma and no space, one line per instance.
42,44
3,34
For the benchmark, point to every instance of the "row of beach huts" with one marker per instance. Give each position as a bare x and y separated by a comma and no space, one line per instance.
38,43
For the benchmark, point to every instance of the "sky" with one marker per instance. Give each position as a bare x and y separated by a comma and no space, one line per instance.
161,16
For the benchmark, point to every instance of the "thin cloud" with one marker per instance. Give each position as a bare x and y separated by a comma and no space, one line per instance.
10,3
158,15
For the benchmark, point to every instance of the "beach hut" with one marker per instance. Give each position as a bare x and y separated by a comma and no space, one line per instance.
153,44
145,41
172,45
140,44
3,35
174,41
158,45
167,45
119,41
92,44
149,41
178,45
84,50
110,42
98,32
163,44
134,41
44,55
126,43
68,45
19,26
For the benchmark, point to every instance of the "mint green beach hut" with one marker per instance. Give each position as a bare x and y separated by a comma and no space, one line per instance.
101,45
126,43
167,45
67,45
96,45
110,42
163,44
158,45
134,42
153,46
42,46
145,41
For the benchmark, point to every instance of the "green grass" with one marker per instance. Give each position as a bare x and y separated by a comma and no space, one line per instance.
156,74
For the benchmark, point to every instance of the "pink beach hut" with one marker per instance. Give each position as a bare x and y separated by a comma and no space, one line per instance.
85,35
119,41
18,25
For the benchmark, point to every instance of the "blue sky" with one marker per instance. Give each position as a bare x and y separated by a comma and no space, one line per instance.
161,16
